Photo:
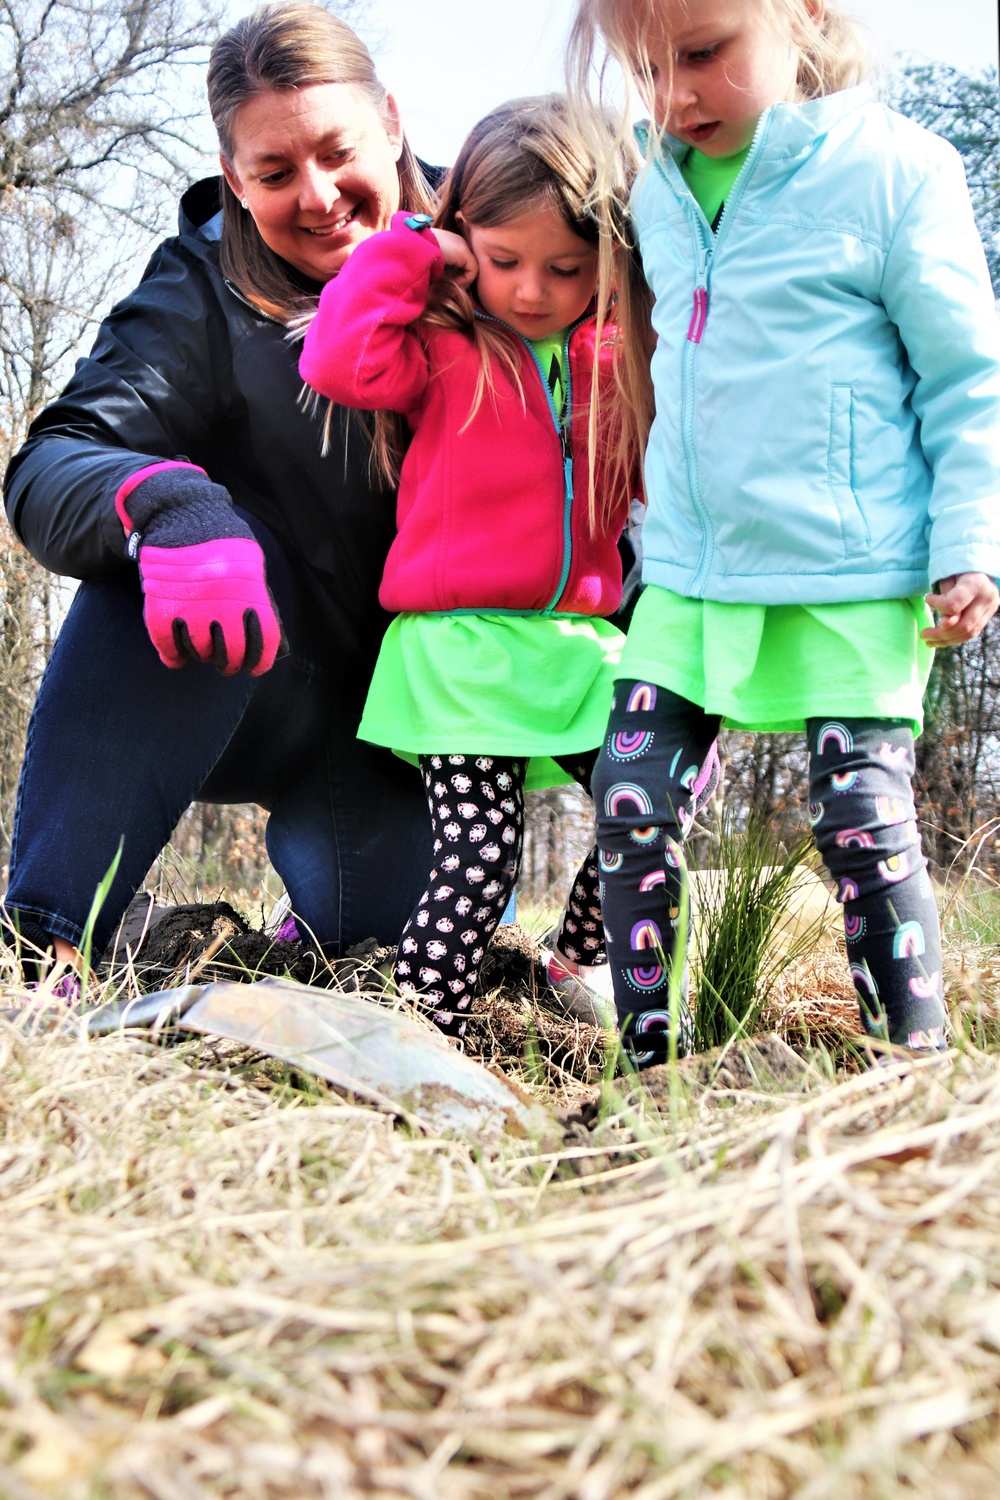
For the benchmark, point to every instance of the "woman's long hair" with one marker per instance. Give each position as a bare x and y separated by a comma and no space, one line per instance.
288,45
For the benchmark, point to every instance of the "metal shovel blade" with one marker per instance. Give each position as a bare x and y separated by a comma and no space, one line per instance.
360,1047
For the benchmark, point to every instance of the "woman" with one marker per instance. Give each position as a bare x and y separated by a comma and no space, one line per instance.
180,479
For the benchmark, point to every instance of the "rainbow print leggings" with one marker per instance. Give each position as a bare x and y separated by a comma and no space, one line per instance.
654,767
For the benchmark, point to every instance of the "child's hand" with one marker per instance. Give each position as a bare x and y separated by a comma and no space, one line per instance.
964,602
458,257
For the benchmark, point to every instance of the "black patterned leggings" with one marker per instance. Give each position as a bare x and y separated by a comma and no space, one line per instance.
654,765
477,812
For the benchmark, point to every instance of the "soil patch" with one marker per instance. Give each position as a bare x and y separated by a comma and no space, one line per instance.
514,1019
763,1064
202,942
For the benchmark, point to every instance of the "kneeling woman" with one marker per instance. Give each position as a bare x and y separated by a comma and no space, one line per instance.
179,479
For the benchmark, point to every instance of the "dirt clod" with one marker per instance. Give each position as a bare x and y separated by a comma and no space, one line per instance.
764,1064
202,942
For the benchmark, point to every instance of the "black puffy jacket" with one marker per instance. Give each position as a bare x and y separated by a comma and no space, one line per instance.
185,368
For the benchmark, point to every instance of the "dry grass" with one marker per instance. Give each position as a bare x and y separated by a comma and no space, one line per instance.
214,1283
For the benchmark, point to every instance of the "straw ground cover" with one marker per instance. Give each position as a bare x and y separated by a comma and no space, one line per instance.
215,1282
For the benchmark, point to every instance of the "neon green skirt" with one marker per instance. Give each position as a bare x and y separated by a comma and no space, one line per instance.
772,666
494,684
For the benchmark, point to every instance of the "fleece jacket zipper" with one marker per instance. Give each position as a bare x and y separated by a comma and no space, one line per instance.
563,434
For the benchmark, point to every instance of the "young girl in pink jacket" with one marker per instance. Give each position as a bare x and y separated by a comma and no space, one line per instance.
473,338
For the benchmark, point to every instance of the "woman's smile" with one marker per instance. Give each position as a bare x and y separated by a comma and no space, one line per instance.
317,168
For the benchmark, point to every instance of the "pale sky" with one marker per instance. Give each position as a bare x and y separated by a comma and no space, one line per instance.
450,61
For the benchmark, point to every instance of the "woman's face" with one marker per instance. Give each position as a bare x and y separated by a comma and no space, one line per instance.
317,167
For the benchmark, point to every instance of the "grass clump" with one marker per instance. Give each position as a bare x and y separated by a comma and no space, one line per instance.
744,941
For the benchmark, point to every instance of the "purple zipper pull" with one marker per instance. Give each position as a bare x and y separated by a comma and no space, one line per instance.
699,315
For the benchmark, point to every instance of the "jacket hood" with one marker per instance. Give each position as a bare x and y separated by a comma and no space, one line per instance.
200,210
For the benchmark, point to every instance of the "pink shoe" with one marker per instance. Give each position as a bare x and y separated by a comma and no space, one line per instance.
586,993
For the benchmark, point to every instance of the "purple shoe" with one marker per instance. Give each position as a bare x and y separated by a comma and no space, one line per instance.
64,994
288,932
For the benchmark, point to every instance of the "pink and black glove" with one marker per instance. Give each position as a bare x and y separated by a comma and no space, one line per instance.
202,572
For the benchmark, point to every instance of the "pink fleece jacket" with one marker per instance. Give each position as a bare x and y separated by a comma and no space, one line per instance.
487,516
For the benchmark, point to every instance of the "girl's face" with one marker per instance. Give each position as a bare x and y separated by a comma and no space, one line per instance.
534,272
717,65
317,167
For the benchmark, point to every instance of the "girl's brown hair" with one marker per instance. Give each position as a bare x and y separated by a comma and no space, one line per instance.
288,45
526,156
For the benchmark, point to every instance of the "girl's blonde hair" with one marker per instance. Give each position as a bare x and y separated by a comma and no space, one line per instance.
288,45
523,157
831,54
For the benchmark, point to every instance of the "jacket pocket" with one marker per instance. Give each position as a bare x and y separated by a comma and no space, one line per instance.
840,473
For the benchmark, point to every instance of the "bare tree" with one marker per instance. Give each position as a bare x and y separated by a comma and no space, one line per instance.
93,86
97,111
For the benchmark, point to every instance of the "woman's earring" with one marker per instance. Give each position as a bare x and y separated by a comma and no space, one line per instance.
244,203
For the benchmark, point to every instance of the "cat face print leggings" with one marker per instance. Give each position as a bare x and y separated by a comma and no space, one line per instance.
476,804
656,763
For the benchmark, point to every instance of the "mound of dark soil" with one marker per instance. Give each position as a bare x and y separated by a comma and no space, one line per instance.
512,1020
203,942
512,964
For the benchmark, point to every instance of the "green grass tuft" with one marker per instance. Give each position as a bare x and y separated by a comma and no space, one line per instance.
742,913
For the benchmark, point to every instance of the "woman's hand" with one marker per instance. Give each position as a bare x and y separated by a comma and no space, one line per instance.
964,603
459,259
202,572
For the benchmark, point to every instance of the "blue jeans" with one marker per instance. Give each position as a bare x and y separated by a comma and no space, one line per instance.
119,745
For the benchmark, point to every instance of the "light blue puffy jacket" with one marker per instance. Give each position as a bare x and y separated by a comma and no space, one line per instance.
827,371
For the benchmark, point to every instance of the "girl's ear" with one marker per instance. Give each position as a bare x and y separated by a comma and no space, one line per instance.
815,10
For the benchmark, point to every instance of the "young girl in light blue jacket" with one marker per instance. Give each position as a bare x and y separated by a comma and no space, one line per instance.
825,448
